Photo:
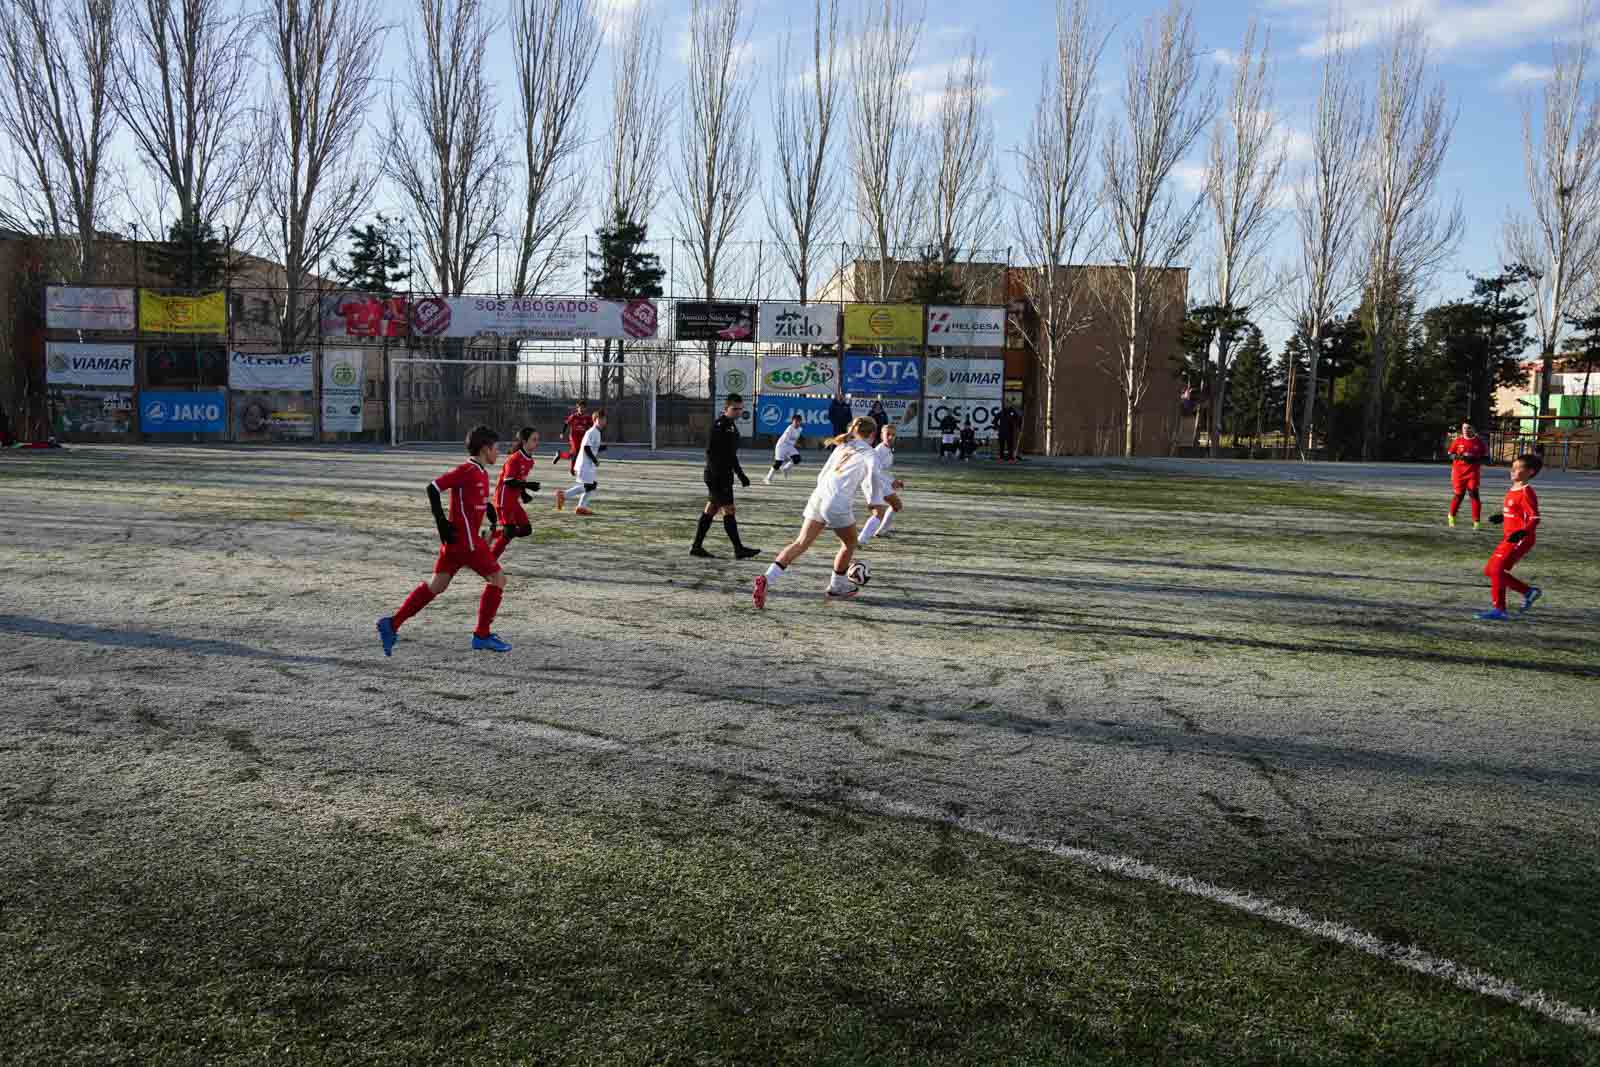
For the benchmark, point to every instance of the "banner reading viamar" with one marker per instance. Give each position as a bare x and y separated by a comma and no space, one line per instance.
175,412
773,413
867,375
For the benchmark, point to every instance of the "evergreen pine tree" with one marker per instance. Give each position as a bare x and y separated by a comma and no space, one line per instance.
934,280
620,269
374,266
1251,387
192,257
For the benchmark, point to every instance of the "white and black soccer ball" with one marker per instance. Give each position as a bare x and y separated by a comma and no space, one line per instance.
859,573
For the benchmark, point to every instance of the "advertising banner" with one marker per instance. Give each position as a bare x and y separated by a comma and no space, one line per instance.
91,410
183,314
773,414
360,315
185,365
700,321
869,376
800,324
342,382
284,415
737,374
799,374
883,324
965,379
984,414
556,318
972,327
256,315
69,364
904,415
181,412
70,307
291,370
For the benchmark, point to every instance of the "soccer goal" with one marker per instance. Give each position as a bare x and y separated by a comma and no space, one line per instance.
436,401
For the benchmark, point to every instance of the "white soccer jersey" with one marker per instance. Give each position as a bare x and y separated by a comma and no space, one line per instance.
850,470
788,445
587,471
883,472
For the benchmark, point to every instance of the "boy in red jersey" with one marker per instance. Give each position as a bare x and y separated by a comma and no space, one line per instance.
1520,516
513,489
460,544
577,425
1468,452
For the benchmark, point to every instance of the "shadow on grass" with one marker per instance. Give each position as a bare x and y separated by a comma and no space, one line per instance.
102,635
1276,572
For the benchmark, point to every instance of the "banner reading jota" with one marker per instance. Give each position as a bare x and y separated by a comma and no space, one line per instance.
736,374
183,314
341,390
702,321
965,379
290,371
798,374
774,412
104,365
70,307
883,324
800,324
969,327
869,376
551,318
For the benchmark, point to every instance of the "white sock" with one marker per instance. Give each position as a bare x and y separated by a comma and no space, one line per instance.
580,491
870,529
839,584
773,573
888,517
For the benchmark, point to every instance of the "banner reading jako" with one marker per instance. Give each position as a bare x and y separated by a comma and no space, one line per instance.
800,324
182,314
736,374
701,321
555,318
883,324
70,307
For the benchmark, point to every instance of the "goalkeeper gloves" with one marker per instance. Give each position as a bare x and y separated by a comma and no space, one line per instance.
1497,518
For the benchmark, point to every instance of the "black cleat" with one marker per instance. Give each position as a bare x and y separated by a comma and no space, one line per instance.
746,553
700,553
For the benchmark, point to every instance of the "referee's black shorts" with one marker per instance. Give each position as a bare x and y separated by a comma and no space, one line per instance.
719,488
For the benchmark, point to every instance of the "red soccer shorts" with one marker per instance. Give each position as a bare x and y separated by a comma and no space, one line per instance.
479,558
513,513
1507,555
1465,478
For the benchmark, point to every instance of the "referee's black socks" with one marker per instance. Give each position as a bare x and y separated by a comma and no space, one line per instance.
731,525
705,528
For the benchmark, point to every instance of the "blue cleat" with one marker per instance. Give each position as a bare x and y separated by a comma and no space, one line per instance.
387,635
1533,594
492,643
1492,615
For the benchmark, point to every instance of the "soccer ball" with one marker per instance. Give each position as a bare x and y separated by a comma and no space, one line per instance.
860,573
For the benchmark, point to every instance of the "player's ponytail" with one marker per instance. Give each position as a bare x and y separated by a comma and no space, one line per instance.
862,428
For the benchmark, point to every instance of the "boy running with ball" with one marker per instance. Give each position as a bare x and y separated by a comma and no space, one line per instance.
461,544
1519,515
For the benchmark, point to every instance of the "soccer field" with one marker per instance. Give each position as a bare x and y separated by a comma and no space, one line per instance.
1136,762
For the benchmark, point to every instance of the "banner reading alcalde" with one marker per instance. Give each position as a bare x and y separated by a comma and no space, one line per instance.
551,318
71,307
799,374
883,324
799,324
183,314
968,327
965,379
290,371
72,364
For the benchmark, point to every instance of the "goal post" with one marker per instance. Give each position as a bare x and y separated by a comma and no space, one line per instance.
434,401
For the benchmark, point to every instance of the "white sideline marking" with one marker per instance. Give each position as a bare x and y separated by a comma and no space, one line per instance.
1408,956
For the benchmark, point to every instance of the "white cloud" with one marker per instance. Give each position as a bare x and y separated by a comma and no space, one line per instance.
1521,74
1450,24
1191,177
614,16
1223,57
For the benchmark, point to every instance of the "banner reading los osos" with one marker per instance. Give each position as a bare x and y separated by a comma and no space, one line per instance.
965,379
289,371
547,318
736,374
342,374
868,375
971,327
798,374
70,307
774,412
178,412
983,414
74,364
800,324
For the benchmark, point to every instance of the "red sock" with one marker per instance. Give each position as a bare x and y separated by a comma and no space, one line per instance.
1477,509
420,597
500,543
487,608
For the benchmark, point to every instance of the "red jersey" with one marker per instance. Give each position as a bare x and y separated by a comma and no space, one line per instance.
1468,451
469,500
517,467
578,424
1520,511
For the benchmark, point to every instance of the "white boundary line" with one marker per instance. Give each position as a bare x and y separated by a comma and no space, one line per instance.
1410,957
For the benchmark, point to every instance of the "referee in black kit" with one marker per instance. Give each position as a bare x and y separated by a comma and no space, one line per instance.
722,466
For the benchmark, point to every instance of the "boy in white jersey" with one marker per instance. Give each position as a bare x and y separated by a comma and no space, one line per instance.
887,490
787,451
586,464
848,471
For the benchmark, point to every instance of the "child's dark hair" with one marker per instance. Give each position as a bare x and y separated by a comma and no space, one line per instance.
525,433
1531,461
732,399
480,438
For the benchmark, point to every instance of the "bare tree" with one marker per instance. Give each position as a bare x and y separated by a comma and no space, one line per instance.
887,149
57,83
1058,203
1242,184
443,154
966,193
803,208
184,95
1560,243
554,44
322,55
1166,108
1327,207
639,114
1407,237
719,156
